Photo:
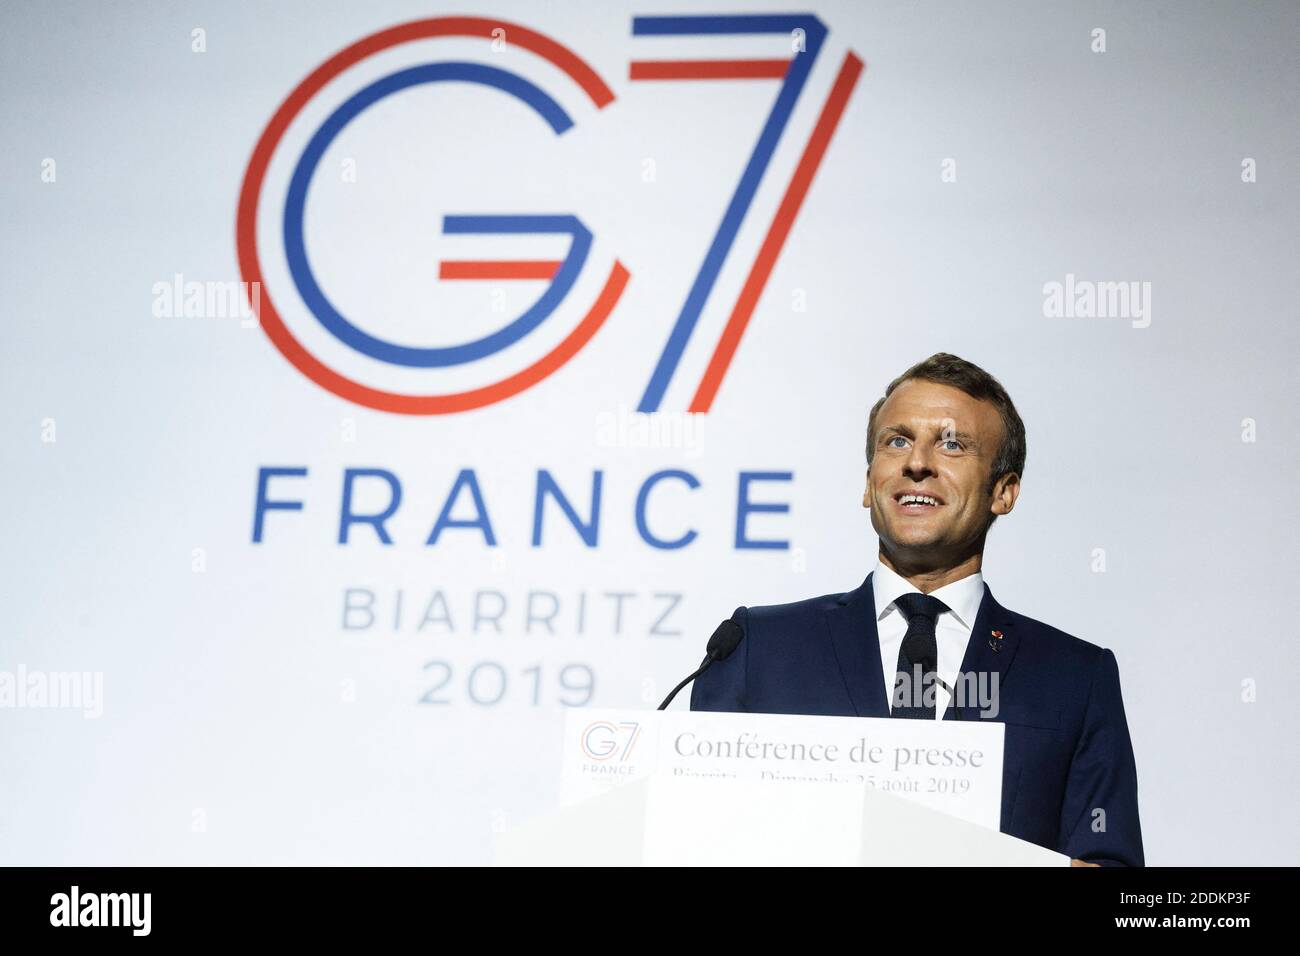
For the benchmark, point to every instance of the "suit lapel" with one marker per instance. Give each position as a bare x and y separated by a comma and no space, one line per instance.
852,624
992,645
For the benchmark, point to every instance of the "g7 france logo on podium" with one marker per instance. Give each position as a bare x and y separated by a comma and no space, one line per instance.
472,123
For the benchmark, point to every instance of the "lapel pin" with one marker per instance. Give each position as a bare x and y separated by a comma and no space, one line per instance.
996,643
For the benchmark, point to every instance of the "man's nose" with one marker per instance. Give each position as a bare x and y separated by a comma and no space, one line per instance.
919,463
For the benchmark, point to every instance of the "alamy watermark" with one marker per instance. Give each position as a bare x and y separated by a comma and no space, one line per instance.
53,690
129,910
625,428
971,690
1085,299
207,299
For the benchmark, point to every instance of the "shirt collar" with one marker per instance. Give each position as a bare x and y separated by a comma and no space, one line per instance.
962,597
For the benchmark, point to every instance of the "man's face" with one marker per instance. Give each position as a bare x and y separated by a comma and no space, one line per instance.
928,483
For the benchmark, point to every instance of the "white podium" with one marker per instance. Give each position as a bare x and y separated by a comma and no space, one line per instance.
667,809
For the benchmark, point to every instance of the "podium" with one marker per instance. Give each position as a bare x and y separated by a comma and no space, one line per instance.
665,811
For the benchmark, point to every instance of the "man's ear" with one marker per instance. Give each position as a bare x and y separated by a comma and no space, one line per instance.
1005,492
866,491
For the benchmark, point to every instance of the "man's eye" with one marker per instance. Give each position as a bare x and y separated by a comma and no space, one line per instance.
896,438
952,444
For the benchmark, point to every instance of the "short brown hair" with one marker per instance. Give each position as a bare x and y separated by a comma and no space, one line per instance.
946,369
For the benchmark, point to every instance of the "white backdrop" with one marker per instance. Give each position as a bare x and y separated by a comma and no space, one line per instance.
986,152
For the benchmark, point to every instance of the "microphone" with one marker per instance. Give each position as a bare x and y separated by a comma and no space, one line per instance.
722,644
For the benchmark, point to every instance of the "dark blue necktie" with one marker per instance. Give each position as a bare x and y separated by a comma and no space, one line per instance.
919,654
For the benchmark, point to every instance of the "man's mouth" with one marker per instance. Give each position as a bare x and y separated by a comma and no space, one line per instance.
911,503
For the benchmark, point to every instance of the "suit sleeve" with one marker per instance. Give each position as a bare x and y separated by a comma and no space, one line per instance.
722,686
1099,816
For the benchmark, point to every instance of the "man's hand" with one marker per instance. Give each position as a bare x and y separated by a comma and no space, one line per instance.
1082,863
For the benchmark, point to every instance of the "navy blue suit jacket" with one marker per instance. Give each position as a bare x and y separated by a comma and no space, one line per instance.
1067,753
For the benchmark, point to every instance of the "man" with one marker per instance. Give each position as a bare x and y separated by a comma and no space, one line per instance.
945,453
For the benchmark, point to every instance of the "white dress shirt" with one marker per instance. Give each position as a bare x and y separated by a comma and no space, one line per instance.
952,630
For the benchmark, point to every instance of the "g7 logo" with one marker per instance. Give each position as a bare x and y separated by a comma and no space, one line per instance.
341,334
600,740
